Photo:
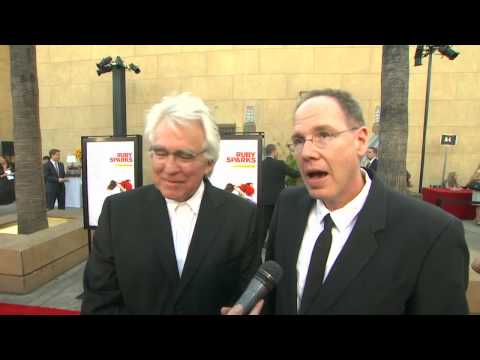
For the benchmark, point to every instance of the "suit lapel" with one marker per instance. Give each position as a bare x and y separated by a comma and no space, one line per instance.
159,230
206,228
292,246
359,248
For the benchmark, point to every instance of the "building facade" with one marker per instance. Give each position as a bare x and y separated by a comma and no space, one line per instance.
255,84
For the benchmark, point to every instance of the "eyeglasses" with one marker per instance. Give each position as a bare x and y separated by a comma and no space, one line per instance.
181,156
321,139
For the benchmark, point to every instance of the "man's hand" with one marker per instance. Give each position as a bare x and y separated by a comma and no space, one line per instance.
476,265
238,309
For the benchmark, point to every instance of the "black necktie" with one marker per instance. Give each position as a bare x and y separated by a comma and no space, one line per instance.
318,260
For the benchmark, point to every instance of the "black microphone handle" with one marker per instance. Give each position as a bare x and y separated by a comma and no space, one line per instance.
255,291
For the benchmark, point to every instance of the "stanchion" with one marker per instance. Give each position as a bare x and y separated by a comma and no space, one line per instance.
444,171
89,242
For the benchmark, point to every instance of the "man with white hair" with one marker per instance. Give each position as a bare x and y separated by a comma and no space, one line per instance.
179,246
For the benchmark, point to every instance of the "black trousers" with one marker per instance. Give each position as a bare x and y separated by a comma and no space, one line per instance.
57,194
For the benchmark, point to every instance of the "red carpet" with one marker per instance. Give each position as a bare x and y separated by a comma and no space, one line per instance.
14,309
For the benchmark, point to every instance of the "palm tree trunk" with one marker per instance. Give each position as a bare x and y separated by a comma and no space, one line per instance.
394,117
29,183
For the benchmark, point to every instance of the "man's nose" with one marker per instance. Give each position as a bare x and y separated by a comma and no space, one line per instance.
309,150
171,164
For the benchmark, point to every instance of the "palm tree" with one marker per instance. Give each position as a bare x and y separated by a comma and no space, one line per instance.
29,183
394,117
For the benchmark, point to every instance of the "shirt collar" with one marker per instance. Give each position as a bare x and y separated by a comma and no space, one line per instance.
344,216
194,201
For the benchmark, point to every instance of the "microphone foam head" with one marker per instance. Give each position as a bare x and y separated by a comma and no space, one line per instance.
271,272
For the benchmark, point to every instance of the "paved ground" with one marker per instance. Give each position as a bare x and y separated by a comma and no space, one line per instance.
8,209
63,291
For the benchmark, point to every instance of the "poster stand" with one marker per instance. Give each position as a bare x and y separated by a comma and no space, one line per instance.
110,164
239,165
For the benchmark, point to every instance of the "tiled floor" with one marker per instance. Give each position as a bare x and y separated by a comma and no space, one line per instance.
8,209
63,291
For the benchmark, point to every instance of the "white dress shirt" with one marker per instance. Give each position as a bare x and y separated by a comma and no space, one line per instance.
55,165
344,220
183,217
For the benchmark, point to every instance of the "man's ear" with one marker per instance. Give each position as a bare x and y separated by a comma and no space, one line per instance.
209,168
361,141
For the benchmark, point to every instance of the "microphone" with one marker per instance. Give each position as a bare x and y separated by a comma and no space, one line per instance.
266,278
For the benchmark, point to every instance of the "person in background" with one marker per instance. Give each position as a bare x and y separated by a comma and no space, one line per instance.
6,169
292,164
273,182
372,158
7,183
54,174
452,182
180,245
45,159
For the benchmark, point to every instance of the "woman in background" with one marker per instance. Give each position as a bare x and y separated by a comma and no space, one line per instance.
6,169
452,180
7,185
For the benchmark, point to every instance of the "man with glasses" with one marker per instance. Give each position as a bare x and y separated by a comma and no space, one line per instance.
347,243
179,246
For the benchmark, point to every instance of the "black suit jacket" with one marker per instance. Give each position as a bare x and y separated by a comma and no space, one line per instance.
404,256
133,270
273,174
51,176
373,165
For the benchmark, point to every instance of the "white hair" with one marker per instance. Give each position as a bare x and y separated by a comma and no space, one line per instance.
180,110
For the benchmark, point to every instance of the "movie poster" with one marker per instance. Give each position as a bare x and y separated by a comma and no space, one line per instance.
110,170
237,168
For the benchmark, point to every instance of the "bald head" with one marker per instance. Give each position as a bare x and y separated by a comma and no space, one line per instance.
348,105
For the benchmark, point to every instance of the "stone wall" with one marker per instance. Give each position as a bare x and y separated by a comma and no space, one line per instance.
74,101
